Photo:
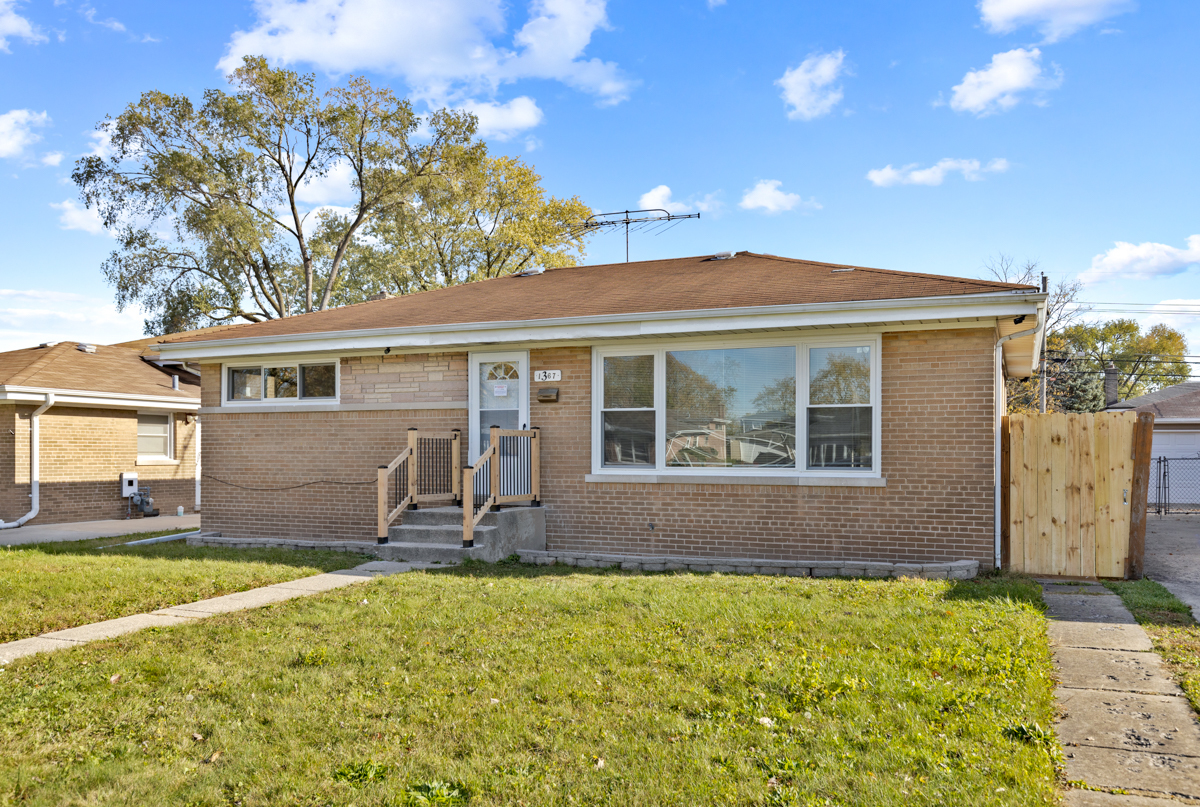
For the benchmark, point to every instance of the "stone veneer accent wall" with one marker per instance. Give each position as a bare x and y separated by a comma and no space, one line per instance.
83,453
937,455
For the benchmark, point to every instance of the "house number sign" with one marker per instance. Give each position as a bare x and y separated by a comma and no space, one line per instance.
547,375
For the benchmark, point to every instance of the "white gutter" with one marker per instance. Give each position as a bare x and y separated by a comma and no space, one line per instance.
34,481
999,373
106,400
988,305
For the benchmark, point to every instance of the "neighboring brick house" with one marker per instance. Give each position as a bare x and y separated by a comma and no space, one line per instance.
725,406
75,416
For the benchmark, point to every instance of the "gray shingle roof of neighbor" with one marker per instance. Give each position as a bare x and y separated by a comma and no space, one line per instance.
111,368
1178,401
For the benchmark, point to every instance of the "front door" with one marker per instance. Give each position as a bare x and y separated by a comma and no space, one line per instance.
499,395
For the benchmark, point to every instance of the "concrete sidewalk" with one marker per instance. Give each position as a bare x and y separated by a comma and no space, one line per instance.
183,614
1127,725
83,530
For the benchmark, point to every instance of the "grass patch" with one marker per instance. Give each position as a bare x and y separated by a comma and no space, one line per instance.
555,686
46,587
1169,622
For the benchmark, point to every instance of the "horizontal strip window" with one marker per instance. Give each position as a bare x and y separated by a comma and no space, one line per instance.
808,407
282,383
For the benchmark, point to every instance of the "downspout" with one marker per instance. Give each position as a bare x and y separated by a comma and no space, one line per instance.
34,445
196,439
996,428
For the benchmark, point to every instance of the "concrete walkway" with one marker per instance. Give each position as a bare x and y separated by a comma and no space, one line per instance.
1127,726
1173,556
83,530
183,614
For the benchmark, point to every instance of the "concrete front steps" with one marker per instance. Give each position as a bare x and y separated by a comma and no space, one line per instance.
434,535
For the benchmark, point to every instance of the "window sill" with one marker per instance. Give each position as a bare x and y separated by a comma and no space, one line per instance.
156,461
728,479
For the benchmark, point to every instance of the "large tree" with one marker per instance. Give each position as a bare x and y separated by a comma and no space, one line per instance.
206,199
490,219
1145,360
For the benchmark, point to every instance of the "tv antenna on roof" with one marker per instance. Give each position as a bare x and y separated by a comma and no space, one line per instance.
631,218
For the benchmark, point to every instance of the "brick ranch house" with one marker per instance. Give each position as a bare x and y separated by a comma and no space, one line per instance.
75,416
733,406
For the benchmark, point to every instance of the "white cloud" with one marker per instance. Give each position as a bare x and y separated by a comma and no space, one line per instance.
29,317
660,197
442,50
1055,19
13,24
74,216
89,13
1141,261
998,86
101,143
337,185
52,158
505,121
910,174
767,197
16,131
808,90
714,3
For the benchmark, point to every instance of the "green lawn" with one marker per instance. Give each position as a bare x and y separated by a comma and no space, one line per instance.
1174,632
554,686
45,587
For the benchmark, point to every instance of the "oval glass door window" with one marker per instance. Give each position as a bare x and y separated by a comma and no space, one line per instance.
499,398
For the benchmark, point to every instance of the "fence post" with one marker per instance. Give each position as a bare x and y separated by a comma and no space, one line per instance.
494,466
1143,436
535,465
381,502
456,466
413,467
468,486
1005,494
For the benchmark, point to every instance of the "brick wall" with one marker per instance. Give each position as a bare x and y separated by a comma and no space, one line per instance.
83,452
411,378
937,453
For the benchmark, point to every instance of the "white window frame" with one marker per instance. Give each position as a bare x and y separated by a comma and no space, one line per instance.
265,365
160,459
660,348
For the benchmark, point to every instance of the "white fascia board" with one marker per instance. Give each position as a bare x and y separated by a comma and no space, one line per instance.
664,323
103,400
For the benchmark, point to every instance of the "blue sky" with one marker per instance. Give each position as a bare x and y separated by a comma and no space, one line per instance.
925,137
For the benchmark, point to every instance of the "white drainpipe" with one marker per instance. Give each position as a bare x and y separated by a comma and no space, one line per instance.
996,453
196,440
34,446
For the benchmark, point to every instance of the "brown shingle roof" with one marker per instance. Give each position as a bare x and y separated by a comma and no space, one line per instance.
110,369
677,284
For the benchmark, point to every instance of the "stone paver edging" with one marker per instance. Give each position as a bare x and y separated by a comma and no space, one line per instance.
183,614
955,570
1125,724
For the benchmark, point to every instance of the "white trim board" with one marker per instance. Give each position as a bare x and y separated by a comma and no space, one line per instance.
97,400
861,313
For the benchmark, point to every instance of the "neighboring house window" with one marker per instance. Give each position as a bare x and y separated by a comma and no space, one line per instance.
154,433
285,382
809,406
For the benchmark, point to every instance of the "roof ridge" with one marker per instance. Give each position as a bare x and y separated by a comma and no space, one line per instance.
969,280
53,353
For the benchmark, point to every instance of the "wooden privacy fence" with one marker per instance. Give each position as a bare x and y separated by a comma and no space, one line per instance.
1073,495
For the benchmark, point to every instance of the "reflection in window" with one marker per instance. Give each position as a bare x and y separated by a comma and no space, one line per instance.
839,426
245,384
318,381
839,437
627,419
731,407
280,382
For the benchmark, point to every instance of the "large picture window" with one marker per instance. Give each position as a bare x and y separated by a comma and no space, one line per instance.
808,407
282,383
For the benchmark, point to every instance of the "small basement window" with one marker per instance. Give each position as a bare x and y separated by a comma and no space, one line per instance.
154,433
282,383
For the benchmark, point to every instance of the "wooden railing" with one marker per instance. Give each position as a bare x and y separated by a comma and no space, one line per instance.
429,469
508,471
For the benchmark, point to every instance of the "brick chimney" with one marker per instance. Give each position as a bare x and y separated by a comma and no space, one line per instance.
1111,393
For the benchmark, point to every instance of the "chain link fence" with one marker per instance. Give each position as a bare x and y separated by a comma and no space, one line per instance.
1175,485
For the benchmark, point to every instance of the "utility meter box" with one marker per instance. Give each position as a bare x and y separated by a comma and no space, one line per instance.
129,485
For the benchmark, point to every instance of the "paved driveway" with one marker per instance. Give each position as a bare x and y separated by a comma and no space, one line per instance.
83,530
1173,555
